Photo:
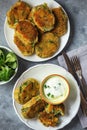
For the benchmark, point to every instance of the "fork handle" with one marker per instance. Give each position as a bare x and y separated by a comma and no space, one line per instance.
83,104
84,87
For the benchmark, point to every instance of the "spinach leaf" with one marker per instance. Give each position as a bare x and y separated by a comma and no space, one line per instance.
12,65
6,73
10,57
2,57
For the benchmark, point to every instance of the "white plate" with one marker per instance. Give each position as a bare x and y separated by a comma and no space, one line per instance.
72,104
9,33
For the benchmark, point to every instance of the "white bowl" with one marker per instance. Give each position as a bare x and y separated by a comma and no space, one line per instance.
6,49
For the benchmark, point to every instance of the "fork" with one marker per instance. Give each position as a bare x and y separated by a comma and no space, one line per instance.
83,104
76,63
77,67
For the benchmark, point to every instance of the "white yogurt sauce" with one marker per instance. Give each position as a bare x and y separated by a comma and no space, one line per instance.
55,87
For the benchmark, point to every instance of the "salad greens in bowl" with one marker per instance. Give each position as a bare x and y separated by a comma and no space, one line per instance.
8,65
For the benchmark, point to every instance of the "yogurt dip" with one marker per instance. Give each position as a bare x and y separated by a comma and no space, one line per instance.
55,89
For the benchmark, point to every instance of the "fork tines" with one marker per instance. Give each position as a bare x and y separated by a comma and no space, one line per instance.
76,63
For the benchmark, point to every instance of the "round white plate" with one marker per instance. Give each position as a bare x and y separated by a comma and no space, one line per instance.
72,104
9,33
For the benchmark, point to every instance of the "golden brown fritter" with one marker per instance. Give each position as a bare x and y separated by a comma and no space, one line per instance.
33,107
61,22
26,91
55,109
26,32
26,50
42,17
48,119
47,46
50,116
19,11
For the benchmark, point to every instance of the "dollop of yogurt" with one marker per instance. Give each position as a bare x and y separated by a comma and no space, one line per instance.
55,88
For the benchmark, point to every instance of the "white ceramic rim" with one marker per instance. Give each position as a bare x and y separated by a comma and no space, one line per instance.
9,50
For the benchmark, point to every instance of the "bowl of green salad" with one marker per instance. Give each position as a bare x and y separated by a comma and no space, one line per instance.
8,65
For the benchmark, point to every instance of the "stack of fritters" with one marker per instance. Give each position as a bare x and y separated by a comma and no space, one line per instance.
48,114
34,106
33,25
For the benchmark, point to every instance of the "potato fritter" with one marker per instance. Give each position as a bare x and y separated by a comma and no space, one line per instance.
26,50
26,32
42,17
19,11
61,22
48,119
55,109
50,115
26,91
33,107
47,46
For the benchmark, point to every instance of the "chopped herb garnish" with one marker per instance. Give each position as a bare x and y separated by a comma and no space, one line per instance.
52,96
24,109
45,86
16,20
40,48
59,83
31,20
48,94
32,44
25,83
51,41
45,6
20,89
45,29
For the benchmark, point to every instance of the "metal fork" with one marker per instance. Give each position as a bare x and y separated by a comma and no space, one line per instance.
83,104
76,63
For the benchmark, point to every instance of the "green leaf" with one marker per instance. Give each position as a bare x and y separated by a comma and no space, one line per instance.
2,57
11,57
12,65
6,73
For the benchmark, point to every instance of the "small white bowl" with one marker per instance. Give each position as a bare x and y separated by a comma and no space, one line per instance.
6,50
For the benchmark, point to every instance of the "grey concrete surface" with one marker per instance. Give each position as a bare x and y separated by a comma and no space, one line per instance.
77,12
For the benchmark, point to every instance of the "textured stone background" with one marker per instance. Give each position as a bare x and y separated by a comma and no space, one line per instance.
77,11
